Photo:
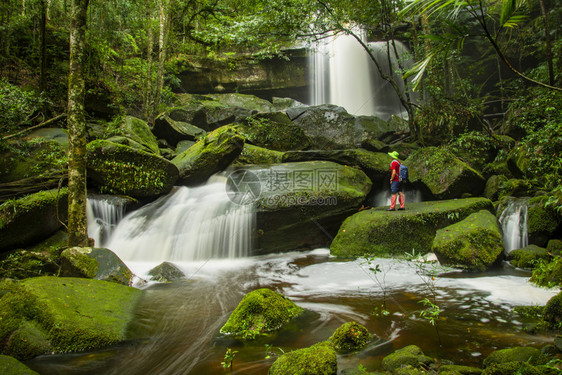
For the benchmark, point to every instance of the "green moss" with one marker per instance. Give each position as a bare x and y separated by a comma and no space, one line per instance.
474,243
541,221
553,311
350,337
274,131
260,311
526,354
511,368
211,154
445,175
528,257
381,233
319,359
11,366
120,169
139,131
548,274
258,155
410,355
74,314
77,263
462,370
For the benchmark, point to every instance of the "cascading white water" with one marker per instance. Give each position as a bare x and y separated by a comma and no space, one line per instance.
343,74
103,213
513,220
188,224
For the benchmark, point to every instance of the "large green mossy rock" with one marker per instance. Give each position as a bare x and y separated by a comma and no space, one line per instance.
139,131
119,169
516,368
532,356
410,355
474,244
319,359
518,161
213,153
213,111
94,263
542,221
260,312
459,370
376,165
11,366
175,131
302,205
51,314
274,131
33,218
258,155
378,232
445,175
350,337
528,257
553,311
332,127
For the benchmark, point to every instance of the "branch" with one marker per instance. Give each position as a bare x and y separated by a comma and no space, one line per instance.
35,126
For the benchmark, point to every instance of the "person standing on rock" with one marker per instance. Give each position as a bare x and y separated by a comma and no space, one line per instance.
395,183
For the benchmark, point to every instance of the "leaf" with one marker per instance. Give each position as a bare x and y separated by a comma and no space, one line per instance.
417,71
508,7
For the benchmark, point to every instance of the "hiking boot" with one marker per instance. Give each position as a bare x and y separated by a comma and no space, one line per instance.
391,209
401,209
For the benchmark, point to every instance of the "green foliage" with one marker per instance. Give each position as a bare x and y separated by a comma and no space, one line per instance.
17,105
431,313
548,273
228,358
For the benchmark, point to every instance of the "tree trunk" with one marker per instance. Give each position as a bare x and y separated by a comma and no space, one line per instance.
77,222
43,48
147,100
162,52
548,44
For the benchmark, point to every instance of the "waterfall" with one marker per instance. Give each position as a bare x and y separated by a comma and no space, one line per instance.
188,224
103,213
513,220
343,74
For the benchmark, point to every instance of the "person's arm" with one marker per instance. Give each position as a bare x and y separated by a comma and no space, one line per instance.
393,174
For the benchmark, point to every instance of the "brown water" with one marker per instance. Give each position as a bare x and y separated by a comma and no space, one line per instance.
176,327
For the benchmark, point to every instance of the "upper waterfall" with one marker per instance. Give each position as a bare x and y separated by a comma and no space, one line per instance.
343,74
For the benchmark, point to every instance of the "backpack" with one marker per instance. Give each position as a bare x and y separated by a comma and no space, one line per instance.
403,174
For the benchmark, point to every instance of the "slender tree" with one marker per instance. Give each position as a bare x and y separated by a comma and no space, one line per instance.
77,223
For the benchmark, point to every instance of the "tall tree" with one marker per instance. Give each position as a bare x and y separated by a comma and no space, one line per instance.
77,222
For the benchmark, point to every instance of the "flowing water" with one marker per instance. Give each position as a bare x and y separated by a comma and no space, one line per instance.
513,220
343,74
176,326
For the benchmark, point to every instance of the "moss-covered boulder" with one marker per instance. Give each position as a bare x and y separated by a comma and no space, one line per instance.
95,263
410,355
139,131
381,233
376,165
175,131
516,367
332,127
11,366
445,175
516,188
527,354
493,187
260,312
32,218
302,205
274,131
213,153
518,161
554,246
542,221
528,257
460,370
51,314
246,101
166,272
548,275
258,155
474,244
21,264
119,169
553,311
319,359
36,158
207,112
350,337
